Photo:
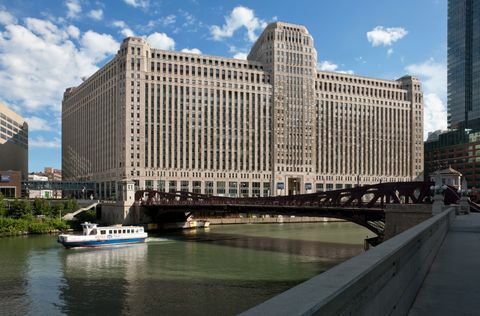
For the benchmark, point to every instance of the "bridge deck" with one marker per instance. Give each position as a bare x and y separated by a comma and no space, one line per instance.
452,286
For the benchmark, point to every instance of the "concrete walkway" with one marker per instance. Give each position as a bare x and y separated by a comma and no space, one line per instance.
452,286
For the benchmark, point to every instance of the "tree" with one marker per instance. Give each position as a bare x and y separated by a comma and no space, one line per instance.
3,206
20,208
70,206
57,210
41,207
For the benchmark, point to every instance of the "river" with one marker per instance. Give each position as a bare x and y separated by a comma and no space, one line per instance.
219,271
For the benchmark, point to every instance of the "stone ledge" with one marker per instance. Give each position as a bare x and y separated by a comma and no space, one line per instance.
382,281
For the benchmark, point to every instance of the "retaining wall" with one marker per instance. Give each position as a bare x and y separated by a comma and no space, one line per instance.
381,281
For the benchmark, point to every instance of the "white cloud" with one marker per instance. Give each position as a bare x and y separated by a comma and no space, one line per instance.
36,123
385,36
433,76
74,8
46,29
96,14
124,29
73,31
191,51
6,18
390,52
98,46
240,55
326,65
169,19
127,32
435,114
161,41
238,18
119,24
137,3
44,143
39,61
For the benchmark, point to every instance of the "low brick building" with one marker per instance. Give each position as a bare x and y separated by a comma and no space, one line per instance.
11,184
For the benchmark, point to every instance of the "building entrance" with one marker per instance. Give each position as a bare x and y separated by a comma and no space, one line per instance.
293,186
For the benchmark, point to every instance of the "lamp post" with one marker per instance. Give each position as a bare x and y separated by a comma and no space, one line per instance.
464,203
438,198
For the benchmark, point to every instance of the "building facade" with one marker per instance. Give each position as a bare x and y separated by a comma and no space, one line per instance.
458,149
464,64
269,125
458,146
11,184
13,141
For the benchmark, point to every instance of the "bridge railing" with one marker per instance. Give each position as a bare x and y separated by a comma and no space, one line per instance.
368,196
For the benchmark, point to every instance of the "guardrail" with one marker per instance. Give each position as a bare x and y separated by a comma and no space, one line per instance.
381,281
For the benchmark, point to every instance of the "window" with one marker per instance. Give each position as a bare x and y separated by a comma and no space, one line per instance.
102,232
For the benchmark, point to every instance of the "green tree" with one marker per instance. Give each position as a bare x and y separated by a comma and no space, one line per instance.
70,205
3,206
57,210
41,207
20,208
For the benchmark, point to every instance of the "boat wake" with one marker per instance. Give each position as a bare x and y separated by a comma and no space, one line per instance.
157,239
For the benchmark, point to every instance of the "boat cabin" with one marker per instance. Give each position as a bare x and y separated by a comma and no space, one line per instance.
92,229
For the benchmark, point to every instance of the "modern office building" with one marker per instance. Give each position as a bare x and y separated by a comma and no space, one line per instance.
269,125
458,146
458,149
464,64
13,142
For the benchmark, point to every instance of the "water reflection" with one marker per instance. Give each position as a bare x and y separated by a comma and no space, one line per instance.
221,271
100,281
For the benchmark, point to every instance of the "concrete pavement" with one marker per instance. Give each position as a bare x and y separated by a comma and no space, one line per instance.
452,286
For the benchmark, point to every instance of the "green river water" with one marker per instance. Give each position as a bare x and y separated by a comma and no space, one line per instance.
219,271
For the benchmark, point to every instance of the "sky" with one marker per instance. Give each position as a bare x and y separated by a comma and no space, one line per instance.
47,46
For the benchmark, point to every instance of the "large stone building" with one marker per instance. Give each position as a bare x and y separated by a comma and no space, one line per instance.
269,125
13,142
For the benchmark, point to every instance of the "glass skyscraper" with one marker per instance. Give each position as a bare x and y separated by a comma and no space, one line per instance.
464,64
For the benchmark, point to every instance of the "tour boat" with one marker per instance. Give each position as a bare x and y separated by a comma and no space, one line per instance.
94,236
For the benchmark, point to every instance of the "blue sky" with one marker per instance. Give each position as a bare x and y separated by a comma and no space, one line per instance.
47,46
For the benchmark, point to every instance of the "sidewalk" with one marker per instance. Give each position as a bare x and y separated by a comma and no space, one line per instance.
452,286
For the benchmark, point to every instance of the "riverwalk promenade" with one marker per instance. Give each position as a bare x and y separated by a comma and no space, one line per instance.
452,286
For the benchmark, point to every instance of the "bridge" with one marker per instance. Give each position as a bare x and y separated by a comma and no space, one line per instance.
362,205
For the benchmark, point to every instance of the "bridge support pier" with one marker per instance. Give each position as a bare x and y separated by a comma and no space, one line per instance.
122,213
400,217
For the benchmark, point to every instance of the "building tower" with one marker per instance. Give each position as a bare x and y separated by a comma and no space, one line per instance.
464,64
287,53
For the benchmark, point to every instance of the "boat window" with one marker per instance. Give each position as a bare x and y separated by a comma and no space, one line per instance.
123,231
109,231
128,231
102,232
114,231
93,232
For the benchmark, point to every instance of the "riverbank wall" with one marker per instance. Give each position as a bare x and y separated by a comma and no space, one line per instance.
267,220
